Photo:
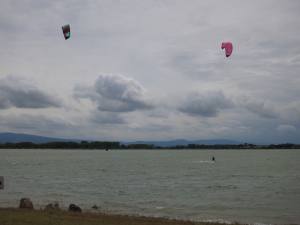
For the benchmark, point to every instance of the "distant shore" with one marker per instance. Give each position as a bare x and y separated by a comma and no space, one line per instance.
98,145
13,216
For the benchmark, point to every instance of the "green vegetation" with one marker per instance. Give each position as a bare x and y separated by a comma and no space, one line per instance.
116,145
59,217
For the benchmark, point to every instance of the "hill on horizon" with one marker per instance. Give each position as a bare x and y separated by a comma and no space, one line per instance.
17,137
9,137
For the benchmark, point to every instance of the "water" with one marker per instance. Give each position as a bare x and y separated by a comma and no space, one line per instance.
253,186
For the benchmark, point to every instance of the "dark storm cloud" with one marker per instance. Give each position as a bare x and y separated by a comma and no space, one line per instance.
206,105
115,94
17,93
286,128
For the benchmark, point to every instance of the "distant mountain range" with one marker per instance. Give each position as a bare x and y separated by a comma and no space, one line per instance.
15,138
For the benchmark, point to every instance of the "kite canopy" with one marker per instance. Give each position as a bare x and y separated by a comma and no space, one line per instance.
228,48
67,31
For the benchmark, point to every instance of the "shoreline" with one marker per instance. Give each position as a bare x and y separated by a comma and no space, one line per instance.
18,216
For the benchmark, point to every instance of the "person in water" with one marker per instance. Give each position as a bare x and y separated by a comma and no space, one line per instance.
213,158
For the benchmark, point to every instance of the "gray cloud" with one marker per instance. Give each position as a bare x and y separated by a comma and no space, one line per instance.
259,107
107,118
33,123
172,48
290,114
206,105
286,128
15,92
189,64
115,93
148,128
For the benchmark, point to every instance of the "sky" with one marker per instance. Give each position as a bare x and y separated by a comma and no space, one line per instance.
151,70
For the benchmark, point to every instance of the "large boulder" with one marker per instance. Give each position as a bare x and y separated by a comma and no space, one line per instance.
26,203
74,208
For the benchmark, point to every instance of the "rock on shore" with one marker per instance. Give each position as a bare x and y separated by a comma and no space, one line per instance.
74,208
52,206
26,203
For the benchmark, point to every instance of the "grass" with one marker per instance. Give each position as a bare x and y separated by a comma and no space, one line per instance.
10,216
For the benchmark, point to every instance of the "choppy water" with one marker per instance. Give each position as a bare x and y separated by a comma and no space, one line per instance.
253,186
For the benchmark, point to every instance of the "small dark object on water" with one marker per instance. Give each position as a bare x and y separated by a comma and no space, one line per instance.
213,158
25,203
1,182
74,208
106,149
95,207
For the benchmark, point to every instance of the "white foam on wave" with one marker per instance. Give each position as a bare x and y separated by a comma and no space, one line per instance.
223,221
262,224
217,221
204,161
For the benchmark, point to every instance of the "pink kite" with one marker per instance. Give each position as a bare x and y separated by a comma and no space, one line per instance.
228,48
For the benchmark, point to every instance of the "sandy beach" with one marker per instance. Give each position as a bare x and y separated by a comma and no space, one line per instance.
13,216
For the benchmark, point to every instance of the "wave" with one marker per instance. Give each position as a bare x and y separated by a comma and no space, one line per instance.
204,161
222,187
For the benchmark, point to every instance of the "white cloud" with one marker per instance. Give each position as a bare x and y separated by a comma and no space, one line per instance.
116,93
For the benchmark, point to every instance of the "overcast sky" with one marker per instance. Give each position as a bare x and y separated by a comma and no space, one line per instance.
151,70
